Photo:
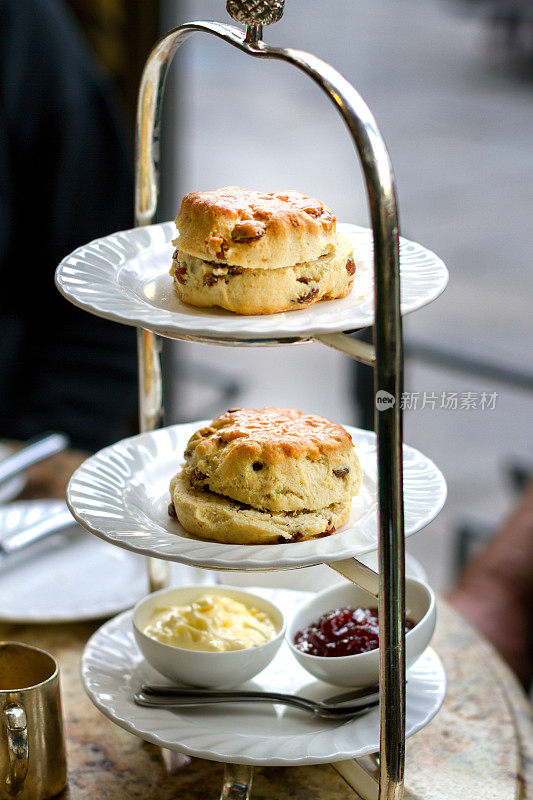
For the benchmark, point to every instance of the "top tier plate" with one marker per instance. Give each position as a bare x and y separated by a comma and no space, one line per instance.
124,277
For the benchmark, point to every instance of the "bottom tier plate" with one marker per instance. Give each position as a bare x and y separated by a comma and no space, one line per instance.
268,735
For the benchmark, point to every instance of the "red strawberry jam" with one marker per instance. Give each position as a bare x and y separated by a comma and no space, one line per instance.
342,632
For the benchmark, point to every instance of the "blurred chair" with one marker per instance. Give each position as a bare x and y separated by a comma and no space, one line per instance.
66,167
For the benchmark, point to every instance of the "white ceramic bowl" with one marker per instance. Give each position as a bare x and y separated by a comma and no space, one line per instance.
362,669
199,668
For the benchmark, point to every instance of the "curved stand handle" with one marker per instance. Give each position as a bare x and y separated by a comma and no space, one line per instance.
17,747
385,356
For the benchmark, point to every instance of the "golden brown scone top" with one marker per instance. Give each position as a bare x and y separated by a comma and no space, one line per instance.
273,433
254,230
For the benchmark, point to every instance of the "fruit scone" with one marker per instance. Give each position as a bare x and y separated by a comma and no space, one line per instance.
269,475
254,253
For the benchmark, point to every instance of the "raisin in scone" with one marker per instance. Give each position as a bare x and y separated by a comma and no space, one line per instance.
268,475
255,253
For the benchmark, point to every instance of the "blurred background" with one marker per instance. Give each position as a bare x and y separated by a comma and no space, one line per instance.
451,93
450,86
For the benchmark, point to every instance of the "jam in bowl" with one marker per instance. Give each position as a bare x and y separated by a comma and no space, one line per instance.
320,638
344,631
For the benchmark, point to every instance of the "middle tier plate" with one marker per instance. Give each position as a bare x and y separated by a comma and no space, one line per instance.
122,495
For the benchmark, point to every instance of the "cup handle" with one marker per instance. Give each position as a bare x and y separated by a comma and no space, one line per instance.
17,747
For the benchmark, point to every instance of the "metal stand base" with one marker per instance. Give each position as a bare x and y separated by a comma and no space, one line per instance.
237,782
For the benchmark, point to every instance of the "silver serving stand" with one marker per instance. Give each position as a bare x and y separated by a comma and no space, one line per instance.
384,778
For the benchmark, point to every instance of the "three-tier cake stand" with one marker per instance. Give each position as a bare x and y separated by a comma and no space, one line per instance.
95,278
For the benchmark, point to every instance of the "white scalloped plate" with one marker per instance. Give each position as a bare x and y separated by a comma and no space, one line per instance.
121,494
265,735
124,277
69,576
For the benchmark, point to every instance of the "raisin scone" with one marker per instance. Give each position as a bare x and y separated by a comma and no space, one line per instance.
255,253
268,475
254,230
264,291
217,518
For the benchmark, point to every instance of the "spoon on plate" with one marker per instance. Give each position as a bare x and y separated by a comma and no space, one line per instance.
340,706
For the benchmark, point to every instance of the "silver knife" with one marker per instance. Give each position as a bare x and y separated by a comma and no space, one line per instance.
37,449
34,533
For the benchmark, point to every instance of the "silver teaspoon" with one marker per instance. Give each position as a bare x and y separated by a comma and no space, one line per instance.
343,706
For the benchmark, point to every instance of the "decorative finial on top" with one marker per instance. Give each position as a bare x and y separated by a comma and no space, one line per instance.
255,12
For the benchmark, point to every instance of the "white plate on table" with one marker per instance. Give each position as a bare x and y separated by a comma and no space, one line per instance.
11,488
72,576
264,735
122,494
67,577
124,277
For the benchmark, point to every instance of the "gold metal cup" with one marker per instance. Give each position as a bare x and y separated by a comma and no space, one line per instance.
32,744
